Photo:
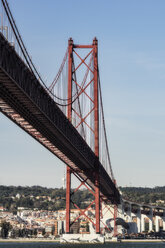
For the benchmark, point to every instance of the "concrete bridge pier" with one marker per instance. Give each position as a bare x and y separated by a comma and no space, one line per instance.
143,216
132,225
157,227
163,219
121,211
138,216
128,216
150,217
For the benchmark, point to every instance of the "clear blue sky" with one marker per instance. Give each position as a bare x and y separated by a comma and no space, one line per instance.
131,38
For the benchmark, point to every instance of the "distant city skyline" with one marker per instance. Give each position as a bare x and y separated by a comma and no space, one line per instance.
131,42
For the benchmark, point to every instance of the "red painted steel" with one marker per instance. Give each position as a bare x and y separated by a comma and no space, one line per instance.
70,61
82,212
83,46
108,209
115,216
68,174
106,226
83,87
68,188
71,81
83,182
96,98
83,60
96,127
83,119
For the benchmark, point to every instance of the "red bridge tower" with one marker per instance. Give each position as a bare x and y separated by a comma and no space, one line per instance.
94,80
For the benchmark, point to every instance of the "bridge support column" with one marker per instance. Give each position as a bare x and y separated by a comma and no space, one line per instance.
121,210
150,224
128,214
143,222
95,102
150,220
138,216
163,220
157,227
69,114
68,193
96,134
132,224
97,203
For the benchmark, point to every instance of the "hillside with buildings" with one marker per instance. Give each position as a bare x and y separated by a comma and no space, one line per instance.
40,212
42,198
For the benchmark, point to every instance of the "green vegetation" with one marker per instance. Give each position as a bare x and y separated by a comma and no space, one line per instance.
144,195
12,197
5,228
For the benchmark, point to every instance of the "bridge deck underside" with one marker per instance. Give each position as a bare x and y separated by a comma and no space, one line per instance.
26,102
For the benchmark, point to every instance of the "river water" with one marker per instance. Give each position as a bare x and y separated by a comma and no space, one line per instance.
106,245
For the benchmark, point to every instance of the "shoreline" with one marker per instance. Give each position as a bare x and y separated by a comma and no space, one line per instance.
35,240
29,240
137,241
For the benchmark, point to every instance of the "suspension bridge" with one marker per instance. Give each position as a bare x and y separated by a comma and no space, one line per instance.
65,117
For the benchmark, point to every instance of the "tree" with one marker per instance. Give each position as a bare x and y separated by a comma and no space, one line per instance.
5,228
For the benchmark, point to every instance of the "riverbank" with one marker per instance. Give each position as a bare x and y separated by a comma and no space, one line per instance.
137,241
36,240
31,240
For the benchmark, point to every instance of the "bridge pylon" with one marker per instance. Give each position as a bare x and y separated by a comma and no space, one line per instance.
92,67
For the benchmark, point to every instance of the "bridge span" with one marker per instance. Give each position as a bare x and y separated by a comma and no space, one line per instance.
77,134
26,102
135,218
144,211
